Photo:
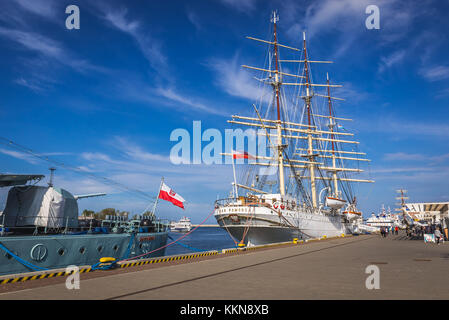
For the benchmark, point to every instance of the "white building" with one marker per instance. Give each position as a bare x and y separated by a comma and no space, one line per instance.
433,212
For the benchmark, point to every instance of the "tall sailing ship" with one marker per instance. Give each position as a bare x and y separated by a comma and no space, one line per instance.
311,155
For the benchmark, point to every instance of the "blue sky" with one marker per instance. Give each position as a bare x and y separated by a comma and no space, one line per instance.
107,96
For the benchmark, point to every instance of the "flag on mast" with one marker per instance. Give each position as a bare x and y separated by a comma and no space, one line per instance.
241,155
166,193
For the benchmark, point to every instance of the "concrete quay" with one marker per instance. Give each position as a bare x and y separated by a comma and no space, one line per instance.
324,269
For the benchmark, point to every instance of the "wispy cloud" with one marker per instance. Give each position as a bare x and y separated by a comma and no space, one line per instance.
403,156
193,18
236,81
169,93
245,6
170,96
19,155
44,8
36,42
403,128
30,84
136,152
442,93
149,45
435,73
387,62
49,54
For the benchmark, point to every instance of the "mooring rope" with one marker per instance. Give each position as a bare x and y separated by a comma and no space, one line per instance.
173,242
187,246
20,260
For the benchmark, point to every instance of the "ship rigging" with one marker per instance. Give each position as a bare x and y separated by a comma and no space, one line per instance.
308,151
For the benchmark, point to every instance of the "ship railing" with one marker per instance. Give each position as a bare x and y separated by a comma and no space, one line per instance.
276,205
45,225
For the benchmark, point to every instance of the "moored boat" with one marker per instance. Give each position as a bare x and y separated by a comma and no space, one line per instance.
308,158
41,229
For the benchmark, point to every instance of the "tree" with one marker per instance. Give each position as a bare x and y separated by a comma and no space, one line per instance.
106,212
88,213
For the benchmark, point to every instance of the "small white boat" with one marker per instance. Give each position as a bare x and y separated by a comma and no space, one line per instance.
335,203
183,225
352,215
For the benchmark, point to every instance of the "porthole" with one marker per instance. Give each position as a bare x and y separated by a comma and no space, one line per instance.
82,250
100,248
115,248
8,256
140,246
61,251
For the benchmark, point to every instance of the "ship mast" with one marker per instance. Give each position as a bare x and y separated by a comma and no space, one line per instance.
402,197
331,128
284,131
311,156
276,87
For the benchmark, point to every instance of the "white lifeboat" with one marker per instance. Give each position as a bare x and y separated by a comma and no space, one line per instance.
335,203
352,215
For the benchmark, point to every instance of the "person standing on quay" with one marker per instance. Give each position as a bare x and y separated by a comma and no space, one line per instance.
438,235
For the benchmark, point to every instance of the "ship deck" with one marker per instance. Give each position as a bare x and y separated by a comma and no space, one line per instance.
324,269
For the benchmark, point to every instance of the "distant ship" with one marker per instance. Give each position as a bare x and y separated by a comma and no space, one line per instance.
309,156
40,229
183,225
383,219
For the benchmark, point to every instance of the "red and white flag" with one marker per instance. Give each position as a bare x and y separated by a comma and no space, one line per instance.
166,193
241,155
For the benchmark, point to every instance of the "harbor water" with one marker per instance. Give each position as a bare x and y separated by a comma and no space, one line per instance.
202,239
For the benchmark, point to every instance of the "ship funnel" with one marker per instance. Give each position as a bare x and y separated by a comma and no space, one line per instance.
52,173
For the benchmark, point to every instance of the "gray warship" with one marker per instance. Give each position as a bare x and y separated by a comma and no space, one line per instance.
40,229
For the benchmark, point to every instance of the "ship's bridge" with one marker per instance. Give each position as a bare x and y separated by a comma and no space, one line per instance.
275,200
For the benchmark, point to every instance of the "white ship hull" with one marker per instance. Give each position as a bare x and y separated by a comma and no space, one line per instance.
180,229
257,225
183,225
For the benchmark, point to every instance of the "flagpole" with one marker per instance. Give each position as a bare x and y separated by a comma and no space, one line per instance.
158,193
235,179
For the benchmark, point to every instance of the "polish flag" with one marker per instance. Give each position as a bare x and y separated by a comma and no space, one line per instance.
168,194
242,155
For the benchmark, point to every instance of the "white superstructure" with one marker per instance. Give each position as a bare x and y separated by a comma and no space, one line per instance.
183,225
384,219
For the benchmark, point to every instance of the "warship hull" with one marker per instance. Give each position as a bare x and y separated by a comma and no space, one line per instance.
62,250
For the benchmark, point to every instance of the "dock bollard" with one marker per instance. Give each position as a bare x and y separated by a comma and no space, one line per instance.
106,263
295,240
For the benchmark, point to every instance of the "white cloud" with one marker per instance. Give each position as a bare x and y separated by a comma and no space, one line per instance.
136,152
35,42
150,46
236,81
435,73
31,84
19,155
169,93
240,5
403,128
193,18
390,60
38,70
403,156
44,8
